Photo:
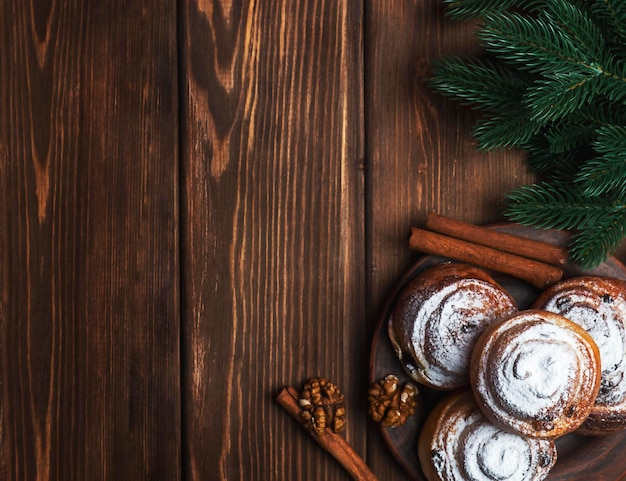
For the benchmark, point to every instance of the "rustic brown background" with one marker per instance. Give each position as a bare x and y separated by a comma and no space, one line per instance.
204,201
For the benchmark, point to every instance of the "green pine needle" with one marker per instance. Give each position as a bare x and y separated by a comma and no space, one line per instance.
533,43
555,87
599,222
503,131
566,136
611,14
479,83
575,24
464,9
561,167
581,129
607,172
613,81
558,96
555,206
603,175
593,244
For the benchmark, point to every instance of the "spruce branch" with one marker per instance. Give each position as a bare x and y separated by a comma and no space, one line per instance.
601,113
465,9
560,94
532,43
612,15
481,84
603,175
607,172
599,222
613,81
581,128
561,167
555,87
594,243
574,22
503,130
555,206
567,135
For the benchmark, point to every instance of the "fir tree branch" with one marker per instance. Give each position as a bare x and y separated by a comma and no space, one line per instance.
568,134
610,141
594,243
555,206
600,113
556,89
478,83
533,44
613,83
504,130
575,24
600,222
603,175
607,172
558,95
560,167
466,9
611,14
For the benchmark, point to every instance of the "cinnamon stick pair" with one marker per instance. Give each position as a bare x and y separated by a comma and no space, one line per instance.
526,259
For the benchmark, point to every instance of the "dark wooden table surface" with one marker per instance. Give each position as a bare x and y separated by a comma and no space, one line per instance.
205,201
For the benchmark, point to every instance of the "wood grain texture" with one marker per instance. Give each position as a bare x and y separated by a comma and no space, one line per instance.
90,307
273,250
420,154
176,252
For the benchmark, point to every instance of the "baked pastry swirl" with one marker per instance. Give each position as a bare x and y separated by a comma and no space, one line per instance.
536,373
439,316
599,306
459,443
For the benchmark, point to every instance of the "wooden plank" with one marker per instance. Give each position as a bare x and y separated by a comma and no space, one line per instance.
272,210
420,153
90,305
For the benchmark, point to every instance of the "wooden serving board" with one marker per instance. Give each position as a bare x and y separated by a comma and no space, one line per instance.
580,458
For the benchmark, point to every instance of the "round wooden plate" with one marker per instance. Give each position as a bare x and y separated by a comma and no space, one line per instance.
579,457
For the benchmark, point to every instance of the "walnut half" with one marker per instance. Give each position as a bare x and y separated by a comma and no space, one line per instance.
391,403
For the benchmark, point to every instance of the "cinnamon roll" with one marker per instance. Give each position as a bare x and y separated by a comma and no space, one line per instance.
599,306
438,318
536,373
459,443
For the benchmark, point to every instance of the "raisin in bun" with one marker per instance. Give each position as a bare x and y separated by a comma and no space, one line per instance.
459,443
599,306
536,373
439,316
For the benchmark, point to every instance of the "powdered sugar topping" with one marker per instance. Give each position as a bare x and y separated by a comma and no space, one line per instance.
447,324
603,317
470,447
537,375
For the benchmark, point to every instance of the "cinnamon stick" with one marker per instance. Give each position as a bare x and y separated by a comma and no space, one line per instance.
530,248
538,274
335,444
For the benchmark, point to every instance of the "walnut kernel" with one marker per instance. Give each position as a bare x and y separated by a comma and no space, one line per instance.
390,402
322,406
